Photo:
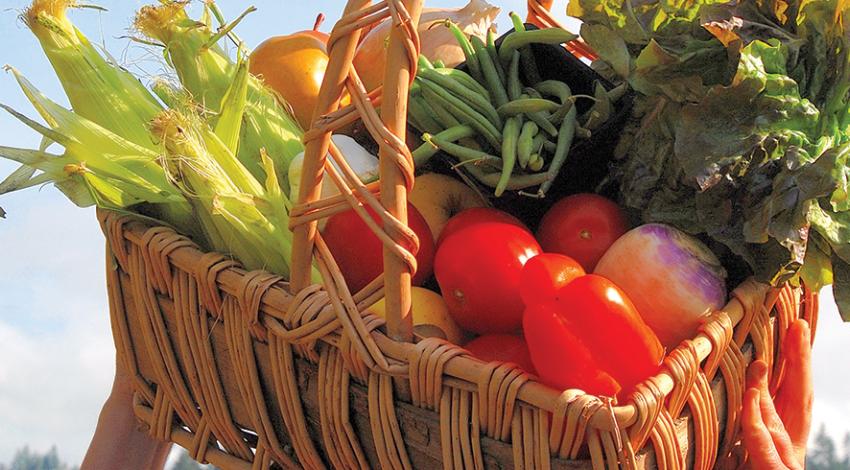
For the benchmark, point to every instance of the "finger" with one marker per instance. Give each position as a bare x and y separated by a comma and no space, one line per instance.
757,379
794,400
757,440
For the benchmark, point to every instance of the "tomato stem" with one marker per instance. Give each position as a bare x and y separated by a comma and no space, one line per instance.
585,234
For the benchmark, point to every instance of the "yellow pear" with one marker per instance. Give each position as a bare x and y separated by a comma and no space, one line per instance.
430,315
439,197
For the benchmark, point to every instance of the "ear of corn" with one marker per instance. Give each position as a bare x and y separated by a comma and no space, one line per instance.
245,217
208,156
208,74
97,166
98,89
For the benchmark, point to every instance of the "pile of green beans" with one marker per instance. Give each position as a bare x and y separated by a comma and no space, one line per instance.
507,134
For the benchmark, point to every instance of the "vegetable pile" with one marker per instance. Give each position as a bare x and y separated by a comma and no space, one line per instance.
736,154
741,131
504,128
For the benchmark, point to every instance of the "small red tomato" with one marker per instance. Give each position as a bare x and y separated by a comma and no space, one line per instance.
359,253
502,348
544,274
478,270
475,216
582,226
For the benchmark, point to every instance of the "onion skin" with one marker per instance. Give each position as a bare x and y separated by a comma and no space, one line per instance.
672,278
437,43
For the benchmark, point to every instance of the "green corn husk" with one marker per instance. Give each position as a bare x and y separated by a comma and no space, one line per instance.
97,167
207,72
97,88
241,215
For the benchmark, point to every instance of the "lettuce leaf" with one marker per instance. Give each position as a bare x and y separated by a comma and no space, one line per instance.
741,129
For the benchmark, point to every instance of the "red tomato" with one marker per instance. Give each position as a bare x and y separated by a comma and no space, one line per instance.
595,318
502,348
478,215
544,274
582,226
359,253
478,270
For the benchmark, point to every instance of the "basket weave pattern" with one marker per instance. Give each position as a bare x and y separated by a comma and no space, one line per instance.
247,371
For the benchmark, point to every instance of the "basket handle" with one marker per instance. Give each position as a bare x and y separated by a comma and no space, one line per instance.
396,165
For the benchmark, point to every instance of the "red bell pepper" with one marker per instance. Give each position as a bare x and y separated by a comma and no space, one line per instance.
591,338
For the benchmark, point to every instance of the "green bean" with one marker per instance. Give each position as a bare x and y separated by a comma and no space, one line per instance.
423,121
510,135
537,145
555,88
559,115
463,154
466,80
541,118
529,65
525,144
527,105
488,70
476,101
519,39
424,152
549,146
449,120
560,90
516,183
494,56
468,51
413,122
536,163
438,64
531,92
583,133
514,85
440,114
565,140
424,63
516,21
463,112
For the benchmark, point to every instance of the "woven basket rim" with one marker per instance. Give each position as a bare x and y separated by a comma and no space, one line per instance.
277,299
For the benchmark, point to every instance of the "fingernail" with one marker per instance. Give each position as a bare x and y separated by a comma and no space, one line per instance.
757,370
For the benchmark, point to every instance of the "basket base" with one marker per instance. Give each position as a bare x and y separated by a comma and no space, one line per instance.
420,428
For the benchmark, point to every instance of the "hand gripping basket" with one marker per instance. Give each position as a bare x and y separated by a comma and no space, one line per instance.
248,372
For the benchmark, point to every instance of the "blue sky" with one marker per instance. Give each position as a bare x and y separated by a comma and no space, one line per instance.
55,343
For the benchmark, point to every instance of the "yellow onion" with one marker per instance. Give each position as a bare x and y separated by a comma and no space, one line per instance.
437,43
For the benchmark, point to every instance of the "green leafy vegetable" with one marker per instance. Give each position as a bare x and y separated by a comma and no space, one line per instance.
741,131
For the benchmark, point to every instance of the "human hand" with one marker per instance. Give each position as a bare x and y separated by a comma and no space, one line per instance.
118,442
776,431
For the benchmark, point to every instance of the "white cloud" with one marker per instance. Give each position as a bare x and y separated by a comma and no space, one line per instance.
55,341
52,387
830,369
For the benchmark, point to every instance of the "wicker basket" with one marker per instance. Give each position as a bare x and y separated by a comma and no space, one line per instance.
246,371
